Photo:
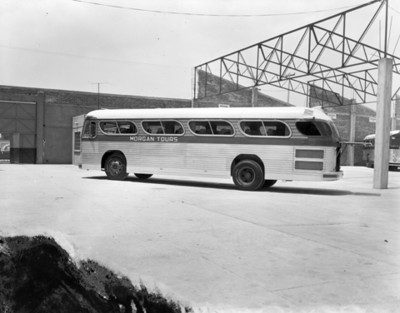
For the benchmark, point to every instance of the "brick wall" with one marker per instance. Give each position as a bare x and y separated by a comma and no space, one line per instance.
209,86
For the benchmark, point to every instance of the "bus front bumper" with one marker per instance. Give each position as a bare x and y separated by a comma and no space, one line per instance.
332,175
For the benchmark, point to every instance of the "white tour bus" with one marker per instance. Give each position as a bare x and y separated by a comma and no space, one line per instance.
256,146
394,150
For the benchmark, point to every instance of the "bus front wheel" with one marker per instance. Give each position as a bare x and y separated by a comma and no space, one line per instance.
248,175
115,167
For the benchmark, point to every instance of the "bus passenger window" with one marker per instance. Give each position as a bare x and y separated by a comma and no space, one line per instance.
324,128
172,127
276,128
109,127
153,127
308,128
252,128
221,128
179,130
126,127
200,127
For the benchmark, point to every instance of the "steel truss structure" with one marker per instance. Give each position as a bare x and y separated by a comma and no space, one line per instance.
320,54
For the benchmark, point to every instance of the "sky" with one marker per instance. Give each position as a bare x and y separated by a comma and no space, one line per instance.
137,47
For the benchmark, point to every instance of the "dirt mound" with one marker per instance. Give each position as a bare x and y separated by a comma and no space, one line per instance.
37,275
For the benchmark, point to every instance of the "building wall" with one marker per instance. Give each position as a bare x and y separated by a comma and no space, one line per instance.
56,109
209,86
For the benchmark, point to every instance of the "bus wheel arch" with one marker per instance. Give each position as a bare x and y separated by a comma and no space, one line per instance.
114,163
248,172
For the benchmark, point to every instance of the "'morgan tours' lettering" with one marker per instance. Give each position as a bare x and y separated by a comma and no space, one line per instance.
153,138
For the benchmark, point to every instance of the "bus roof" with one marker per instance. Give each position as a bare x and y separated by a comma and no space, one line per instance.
210,113
392,133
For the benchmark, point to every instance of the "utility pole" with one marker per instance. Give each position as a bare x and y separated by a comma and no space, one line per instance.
254,96
98,92
98,95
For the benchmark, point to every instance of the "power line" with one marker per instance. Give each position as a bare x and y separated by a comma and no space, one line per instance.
204,14
88,57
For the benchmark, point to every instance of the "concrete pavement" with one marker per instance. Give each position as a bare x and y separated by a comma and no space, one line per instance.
297,247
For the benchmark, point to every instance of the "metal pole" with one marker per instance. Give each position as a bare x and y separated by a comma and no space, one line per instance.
382,131
386,27
383,122
353,119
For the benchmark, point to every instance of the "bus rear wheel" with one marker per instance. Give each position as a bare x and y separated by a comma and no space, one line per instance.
248,175
143,176
115,167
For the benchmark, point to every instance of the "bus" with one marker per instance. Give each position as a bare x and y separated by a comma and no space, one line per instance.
394,152
254,146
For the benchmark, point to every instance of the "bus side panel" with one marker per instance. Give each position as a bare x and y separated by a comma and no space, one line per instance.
203,159
215,160
90,156
315,163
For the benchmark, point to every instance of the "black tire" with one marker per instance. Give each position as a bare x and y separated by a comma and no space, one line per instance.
115,167
248,175
143,176
269,183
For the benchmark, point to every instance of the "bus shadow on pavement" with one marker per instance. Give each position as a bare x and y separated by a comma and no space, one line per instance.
227,186
172,182
320,192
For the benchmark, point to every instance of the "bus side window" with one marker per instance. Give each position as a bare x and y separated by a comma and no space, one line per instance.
89,130
200,127
308,128
324,128
221,128
252,128
109,127
172,127
276,128
126,127
153,127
